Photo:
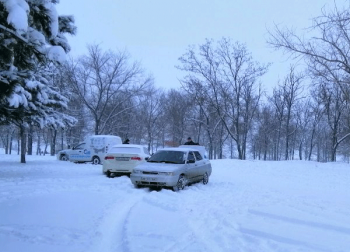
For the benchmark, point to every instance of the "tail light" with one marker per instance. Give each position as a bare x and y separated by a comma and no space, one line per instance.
136,158
108,157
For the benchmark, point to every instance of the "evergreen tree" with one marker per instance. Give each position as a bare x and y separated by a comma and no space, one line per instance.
32,40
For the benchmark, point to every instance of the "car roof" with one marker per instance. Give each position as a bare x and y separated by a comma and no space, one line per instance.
128,145
178,149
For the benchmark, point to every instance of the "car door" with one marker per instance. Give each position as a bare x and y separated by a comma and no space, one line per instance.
79,153
191,166
202,165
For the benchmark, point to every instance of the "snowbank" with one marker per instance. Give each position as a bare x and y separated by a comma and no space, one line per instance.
50,205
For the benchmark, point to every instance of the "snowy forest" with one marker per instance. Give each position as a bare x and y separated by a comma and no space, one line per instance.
49,100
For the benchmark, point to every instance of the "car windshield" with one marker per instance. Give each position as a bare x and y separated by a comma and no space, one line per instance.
165,156
125,150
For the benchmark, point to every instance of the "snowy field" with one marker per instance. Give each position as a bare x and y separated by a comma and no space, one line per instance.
49,205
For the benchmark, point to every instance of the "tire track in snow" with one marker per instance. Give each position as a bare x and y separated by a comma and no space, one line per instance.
111,229
203,235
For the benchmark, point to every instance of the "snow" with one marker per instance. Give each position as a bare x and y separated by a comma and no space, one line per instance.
17,16
56,53
52,12
51,205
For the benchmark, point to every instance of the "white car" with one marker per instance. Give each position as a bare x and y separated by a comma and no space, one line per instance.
122,158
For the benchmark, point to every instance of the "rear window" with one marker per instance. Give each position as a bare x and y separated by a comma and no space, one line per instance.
125,150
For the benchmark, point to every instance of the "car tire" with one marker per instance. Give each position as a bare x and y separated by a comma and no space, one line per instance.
205,178
181,183
64,158
96,160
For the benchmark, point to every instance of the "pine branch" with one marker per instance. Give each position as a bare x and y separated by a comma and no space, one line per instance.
13,33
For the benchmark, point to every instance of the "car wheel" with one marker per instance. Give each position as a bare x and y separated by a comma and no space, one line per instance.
96,160
181,183
108,174
64,158
205,178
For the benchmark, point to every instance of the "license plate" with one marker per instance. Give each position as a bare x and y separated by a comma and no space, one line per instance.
148,179
122,158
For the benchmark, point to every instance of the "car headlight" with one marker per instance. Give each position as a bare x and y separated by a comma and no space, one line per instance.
137,171
166,173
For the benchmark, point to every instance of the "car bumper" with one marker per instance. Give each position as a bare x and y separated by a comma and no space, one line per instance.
125,170
153,180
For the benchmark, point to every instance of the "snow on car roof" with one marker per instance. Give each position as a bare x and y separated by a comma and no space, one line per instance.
179,149
128,145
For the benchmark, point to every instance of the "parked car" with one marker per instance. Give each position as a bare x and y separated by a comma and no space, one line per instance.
93,149
122,158
172,167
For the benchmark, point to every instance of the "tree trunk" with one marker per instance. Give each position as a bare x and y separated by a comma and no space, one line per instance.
62,137
53,142
300,150
7,144
10,144
38,149
23,143
311,143
30,140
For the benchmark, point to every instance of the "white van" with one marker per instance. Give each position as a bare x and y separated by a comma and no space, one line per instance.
93,149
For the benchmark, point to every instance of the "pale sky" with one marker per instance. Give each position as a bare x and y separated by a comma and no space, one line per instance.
158,32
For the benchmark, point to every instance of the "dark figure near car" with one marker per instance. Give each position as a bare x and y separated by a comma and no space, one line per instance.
126,141
190,142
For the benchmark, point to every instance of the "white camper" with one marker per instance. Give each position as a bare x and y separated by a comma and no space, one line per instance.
93,149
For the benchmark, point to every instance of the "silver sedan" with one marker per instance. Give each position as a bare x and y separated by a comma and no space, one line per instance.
172,167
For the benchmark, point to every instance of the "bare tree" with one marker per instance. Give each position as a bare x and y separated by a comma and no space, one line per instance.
291,89
177,110
334,108
149,113
264,134
204,114
105,80
327,53
229,74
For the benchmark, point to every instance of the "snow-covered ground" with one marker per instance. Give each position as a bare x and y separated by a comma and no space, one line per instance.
50,205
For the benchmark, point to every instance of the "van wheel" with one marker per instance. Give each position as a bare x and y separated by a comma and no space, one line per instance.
96,160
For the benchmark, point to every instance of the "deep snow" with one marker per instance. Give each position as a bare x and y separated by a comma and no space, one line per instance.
51,205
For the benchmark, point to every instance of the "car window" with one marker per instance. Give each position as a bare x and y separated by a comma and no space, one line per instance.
132,150
198,155
80,147
191,156
175,157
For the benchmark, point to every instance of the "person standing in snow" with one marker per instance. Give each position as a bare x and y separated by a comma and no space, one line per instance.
190,142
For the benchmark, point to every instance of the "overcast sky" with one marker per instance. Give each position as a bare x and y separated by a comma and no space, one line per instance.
158,32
